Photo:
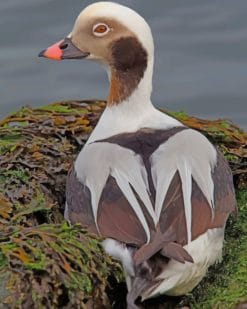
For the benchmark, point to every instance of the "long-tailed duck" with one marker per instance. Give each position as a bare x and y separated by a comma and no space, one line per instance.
158,192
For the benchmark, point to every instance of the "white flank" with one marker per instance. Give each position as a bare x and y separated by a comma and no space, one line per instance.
178,278
121,253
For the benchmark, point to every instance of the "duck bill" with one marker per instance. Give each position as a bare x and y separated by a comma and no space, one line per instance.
63,49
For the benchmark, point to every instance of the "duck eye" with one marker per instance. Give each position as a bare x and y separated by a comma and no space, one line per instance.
100,29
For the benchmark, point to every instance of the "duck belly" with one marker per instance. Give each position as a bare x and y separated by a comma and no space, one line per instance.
177,278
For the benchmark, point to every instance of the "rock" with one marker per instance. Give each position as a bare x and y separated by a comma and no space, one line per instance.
46,263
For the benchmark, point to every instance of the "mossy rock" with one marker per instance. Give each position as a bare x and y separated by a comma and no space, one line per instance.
44,263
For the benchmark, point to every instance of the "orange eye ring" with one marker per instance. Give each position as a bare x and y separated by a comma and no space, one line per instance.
100,29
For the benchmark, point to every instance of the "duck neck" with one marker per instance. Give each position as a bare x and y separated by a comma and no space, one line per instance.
132,82
125,109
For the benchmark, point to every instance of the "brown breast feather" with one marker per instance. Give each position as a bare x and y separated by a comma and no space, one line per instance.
117,220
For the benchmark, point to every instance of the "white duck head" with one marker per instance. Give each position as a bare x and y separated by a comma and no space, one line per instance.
119,38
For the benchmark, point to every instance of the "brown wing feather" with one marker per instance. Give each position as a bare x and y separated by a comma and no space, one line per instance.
173,220
224,197
78,198
173,213
224,194
116,219
171,229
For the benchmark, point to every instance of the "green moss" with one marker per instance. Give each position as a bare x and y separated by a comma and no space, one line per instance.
180,115
3,261
40,261
6,248
218,134
4,276
8,143
225,124
15,174
231,157
79,281
37,205
58,251
18,123
39,199
63,109
24,111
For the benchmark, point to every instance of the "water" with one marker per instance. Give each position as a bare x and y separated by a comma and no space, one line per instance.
201,56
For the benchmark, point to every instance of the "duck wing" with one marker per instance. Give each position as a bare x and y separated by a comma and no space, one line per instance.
156,190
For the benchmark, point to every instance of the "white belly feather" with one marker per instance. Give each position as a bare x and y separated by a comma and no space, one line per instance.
178,278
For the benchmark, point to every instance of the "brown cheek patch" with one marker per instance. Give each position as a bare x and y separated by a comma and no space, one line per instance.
129,62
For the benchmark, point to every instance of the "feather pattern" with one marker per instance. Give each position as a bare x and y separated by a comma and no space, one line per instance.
176,155
125,166
141,185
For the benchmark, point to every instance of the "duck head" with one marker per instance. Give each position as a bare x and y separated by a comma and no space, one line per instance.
117,37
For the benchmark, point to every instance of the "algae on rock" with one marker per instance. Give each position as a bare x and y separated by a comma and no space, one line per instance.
44,263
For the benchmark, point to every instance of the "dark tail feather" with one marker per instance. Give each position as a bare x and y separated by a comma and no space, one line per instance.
175,251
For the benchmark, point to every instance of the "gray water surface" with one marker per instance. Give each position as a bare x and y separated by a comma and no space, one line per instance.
201,55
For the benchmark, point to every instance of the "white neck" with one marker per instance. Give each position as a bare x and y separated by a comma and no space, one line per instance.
134,113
